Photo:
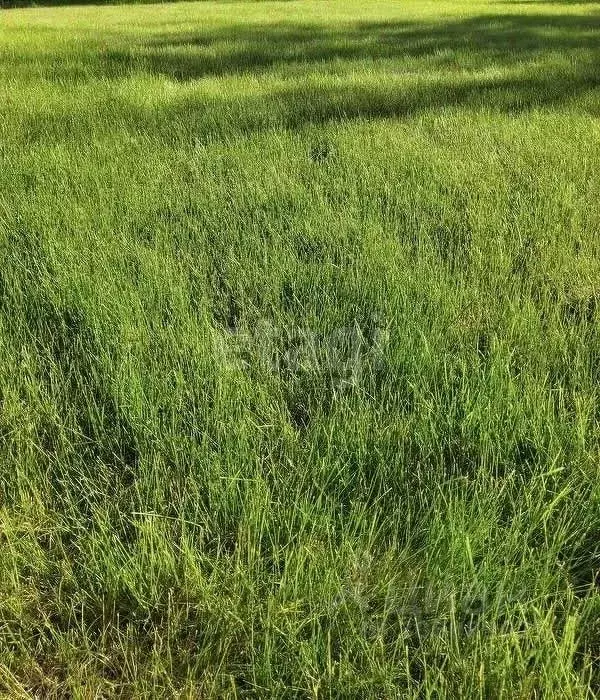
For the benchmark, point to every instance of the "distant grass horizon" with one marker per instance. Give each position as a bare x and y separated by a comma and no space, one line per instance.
32,4
300,349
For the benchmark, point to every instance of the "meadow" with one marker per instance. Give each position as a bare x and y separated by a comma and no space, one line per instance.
300,350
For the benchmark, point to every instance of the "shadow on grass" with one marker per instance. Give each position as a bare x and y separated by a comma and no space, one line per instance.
364,70
470,43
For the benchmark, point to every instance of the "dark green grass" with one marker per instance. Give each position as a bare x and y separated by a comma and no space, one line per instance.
300,350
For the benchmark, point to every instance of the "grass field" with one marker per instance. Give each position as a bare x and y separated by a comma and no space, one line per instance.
300,350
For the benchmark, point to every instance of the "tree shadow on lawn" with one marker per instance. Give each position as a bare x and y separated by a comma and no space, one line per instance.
197,118
323,74
472,43
475,42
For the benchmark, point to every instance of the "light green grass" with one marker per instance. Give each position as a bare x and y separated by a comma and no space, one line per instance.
299,350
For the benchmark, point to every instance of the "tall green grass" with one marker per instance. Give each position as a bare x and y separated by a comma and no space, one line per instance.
299,349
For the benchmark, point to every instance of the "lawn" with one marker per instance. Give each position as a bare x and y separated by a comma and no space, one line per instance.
300,350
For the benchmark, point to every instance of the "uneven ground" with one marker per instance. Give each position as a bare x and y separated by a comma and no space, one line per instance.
300,350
